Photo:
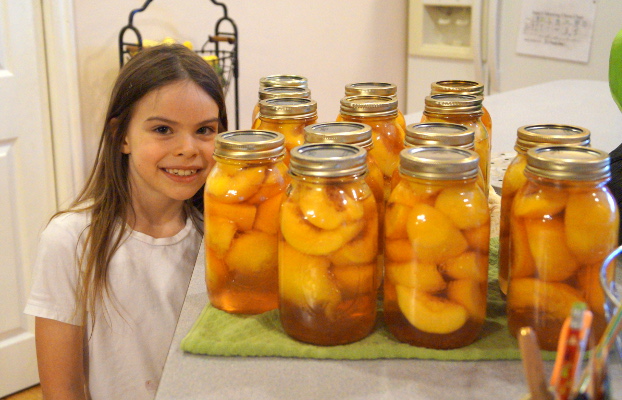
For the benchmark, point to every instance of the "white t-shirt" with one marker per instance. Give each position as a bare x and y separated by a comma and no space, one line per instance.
148,278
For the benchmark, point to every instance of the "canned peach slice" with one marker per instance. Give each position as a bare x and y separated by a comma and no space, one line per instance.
305,281
430,313
514,177
273,185
252,252
433,235
220,232
468,265
354,280
399,250
466,208
215,270
403,195
267,215
425,191
329,208
590,288
386,154
231,184
241,213
363,249
522,263
417,275
395,217
591,226
471,295
540,203
552,298
478,238
309,239
547,244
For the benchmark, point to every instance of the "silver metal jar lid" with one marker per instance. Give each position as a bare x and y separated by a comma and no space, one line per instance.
283,91
288,108
458,87
250,144
283,80
371,89
369,106
440,133
328,160
448,103
354,133
570,163
529,136
439,163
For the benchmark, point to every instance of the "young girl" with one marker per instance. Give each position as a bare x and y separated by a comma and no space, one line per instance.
111,272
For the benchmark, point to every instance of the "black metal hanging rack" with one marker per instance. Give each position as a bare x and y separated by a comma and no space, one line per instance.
226,64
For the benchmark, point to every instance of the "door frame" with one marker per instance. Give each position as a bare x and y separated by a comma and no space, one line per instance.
64,98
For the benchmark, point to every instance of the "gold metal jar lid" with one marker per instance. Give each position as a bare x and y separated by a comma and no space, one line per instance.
328,160
458,87
369,106
354,133
529,136
571,163
288,108
449,103
439,163
371,89
440,133
283,91
283,80
250,144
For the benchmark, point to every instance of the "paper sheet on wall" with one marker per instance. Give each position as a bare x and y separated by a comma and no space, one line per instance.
559,29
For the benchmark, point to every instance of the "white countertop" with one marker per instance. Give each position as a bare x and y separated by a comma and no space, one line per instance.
585,103
188,376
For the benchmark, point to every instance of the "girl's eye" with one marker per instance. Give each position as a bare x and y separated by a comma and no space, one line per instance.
206,130
162,129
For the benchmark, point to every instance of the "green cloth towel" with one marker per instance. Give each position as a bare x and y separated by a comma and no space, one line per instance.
217,333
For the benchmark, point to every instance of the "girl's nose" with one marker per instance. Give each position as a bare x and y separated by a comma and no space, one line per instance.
187,145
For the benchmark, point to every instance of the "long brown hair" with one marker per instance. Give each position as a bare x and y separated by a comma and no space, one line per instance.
106,194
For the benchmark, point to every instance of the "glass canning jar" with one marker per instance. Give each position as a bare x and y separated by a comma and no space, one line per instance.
356,134
527,137
379,112
243,194
564,223
375,89
273,92
465,87
283,80
463,110
289,116
328,246
436,238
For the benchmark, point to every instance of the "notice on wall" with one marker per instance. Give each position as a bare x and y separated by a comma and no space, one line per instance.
559,29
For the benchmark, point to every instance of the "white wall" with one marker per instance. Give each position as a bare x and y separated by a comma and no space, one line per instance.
332,43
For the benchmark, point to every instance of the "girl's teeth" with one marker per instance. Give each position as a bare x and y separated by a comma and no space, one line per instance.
181,172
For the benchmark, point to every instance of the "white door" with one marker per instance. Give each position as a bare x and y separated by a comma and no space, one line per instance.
27,190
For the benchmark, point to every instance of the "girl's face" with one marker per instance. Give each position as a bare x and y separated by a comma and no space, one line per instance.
170,142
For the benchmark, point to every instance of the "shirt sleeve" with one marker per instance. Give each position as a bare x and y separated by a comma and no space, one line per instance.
55,271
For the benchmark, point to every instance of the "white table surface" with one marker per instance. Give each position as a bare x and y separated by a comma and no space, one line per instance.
188,376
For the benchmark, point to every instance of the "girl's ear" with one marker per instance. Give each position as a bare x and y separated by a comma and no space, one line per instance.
114,126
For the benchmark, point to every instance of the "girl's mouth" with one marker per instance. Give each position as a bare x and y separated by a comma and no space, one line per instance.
181,172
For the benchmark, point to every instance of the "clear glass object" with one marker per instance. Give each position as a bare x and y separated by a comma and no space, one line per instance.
564,223
328,246
243,195
437,231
